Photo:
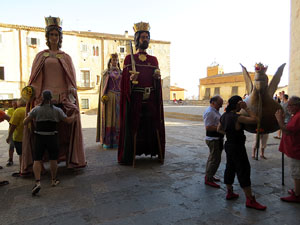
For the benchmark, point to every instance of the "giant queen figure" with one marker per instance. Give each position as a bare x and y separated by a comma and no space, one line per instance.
53,70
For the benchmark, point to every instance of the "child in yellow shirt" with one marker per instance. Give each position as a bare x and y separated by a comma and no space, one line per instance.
16,130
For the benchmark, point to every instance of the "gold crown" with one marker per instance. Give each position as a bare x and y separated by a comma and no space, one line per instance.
114,55
53,21
141,26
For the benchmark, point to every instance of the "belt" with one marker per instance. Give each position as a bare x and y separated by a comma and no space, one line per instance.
143,90
146,91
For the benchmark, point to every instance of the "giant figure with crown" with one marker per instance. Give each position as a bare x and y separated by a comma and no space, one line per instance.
53,70
142,129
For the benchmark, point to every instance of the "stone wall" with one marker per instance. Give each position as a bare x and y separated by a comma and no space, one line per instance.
294,73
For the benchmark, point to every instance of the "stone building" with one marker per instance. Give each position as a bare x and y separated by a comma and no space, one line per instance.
294,70
90,53
176,93
224,84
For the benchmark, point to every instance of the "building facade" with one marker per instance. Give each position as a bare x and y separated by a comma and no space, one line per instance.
224,84
90,53
294,76
176,93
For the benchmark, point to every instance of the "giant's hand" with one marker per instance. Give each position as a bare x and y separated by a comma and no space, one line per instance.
73,91
72,95
156,74
134,76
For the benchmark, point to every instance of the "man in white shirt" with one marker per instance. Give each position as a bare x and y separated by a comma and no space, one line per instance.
213,139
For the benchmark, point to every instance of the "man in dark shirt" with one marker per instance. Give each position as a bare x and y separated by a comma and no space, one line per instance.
46,117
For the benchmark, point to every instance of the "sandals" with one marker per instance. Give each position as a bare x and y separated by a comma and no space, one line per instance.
9,163
36,189
263,157
55,182
276,137
16,174
3,182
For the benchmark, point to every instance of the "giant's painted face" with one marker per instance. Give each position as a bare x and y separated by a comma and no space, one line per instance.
261,79
53,37
144,40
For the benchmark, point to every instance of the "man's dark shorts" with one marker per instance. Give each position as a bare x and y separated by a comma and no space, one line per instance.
46,142
18,146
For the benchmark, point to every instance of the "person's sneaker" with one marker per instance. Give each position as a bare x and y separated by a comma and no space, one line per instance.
211,183
9,163
36,189
291,198
231,195
55,182
252,203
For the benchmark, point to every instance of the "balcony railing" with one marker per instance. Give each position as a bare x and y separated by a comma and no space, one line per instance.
85,85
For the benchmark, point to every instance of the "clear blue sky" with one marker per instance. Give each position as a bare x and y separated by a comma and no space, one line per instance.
201,31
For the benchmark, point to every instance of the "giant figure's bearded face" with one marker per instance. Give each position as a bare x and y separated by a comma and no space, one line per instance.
141,40
144,41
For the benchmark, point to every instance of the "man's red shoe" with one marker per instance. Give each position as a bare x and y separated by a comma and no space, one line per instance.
211,183
291,198
252,203
231,195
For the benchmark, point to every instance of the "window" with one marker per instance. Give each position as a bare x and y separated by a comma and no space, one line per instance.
149,51
234,90
85,78
217,91
122,49
207,93
1,73
84,48
98,79
33,41
85,103
97,51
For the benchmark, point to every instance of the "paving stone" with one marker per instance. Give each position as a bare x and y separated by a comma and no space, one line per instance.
174,193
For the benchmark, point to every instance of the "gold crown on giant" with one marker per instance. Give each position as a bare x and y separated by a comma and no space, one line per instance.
114,55
53,21
141,26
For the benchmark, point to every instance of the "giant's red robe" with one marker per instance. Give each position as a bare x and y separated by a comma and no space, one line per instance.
143,118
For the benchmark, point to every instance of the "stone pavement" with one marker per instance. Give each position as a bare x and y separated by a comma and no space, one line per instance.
174,193
186,112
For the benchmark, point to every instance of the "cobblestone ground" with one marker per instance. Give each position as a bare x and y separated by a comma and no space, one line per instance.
174,193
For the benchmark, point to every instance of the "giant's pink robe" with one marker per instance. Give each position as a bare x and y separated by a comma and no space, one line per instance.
58,75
